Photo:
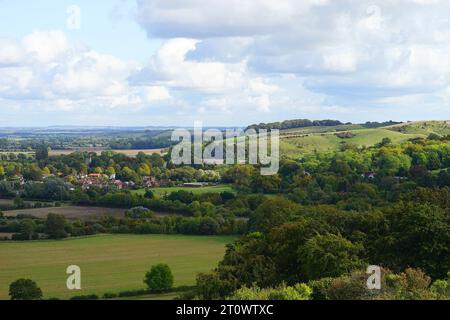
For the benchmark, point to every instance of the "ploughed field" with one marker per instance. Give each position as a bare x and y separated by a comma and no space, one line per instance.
70,212
109,263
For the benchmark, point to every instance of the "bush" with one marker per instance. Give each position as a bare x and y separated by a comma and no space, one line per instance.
38,205
298,292
85,297
109,295
139,213
24,289
159,278
320,288
133,293
55,226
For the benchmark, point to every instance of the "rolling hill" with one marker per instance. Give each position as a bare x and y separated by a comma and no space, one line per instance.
423,127
302,141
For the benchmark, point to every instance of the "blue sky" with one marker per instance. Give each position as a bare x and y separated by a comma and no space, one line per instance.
173,62
106,25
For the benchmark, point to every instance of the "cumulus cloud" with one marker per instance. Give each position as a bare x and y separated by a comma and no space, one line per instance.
200,19
340,49
223,85
46,70
45,47
266,60
170,67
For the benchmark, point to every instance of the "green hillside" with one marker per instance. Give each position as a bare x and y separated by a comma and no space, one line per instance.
297,143
423,127
320,129
109,263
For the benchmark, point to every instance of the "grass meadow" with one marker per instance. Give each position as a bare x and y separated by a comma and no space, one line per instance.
109,263
208,189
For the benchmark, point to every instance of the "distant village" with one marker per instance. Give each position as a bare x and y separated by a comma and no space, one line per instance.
106,182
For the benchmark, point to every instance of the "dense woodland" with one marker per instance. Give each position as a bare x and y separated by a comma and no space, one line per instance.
308,232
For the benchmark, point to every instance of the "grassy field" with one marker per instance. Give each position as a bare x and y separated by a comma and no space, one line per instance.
321,129
109,263
209,189
294,146
423,127
297,142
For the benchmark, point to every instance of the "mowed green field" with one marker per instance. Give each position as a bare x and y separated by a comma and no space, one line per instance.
209,189
109,263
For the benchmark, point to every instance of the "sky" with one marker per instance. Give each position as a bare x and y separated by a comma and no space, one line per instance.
222,62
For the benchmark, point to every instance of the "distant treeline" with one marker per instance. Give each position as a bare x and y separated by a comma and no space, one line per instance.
296,123
371,125
303,123
149,139
142,143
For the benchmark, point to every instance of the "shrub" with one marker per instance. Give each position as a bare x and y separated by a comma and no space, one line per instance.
109,295
298,292
139,213
159,278
85,297
133,293
25,289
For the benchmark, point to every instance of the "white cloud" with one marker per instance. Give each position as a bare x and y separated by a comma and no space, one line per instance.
10,52
263,103
200,19
394,47
158,93
258,59
225,85
341,60
45,46
171,68
46,70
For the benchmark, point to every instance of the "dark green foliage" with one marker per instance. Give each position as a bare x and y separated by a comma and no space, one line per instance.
329,256
159,278
139,213
42,153
411,284
24,289
149,194
133,293
85,297
55,226
297,123
419,238
110,295
272,213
